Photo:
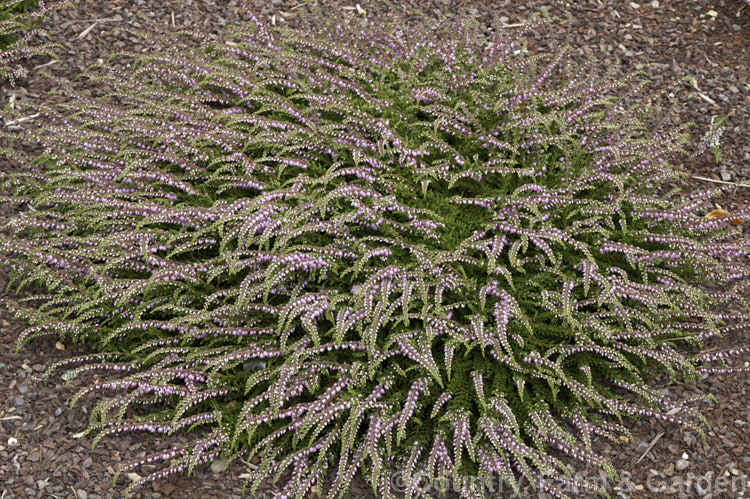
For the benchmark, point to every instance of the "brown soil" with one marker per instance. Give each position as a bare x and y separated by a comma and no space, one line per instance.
667,39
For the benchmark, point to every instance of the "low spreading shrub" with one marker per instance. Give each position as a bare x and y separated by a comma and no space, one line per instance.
356,247
18,20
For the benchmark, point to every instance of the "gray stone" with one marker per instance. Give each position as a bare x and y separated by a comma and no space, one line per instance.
219,465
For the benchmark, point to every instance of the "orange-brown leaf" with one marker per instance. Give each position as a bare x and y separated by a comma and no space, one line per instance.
723,213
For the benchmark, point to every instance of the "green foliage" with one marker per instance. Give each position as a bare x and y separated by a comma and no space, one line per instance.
364,247
19,20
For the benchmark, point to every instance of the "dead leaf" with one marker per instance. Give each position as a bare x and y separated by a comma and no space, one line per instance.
719,213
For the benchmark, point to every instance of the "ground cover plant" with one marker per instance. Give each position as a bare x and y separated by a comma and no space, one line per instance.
375,248
18,18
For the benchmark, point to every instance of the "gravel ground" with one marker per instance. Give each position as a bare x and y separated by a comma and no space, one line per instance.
667,39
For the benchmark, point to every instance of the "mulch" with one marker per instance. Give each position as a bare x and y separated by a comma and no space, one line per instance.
40,455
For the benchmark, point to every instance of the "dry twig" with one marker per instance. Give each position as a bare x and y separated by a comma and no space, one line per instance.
87,31
735,184
650,446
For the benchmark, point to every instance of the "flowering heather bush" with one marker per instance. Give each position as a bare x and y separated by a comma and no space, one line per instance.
17,18
365,247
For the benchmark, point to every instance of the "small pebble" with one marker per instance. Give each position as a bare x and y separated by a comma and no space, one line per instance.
681,465
669,469
219,465
688,438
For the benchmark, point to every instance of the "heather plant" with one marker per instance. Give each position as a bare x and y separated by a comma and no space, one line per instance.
358,247
18,22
